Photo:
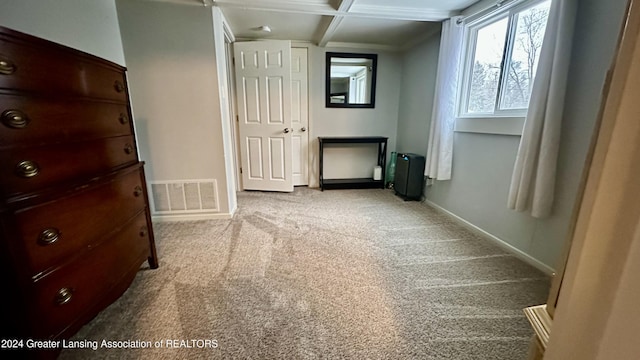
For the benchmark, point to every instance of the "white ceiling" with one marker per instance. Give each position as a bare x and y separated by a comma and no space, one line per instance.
382,24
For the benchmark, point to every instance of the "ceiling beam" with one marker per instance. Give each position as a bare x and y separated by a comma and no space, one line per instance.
401,13
363,46
344,7
325,8
292,6
180,2
328,33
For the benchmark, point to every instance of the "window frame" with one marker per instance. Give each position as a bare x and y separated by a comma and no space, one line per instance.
469,46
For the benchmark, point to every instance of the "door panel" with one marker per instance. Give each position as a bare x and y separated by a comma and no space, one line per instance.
299,116
274,60
275,100
295,102
264,110
251,99
297,149
276,153
254,151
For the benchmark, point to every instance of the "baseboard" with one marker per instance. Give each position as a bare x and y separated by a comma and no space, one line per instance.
233,211
191,217
496,240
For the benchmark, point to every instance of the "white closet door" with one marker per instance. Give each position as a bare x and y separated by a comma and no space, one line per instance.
300,116
263,86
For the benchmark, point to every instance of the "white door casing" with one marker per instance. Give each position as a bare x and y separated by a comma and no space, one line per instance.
263,86
300,116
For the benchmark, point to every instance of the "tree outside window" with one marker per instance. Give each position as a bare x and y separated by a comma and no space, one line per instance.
503,54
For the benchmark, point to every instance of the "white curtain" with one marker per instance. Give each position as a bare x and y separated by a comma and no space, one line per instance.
533,180
440,151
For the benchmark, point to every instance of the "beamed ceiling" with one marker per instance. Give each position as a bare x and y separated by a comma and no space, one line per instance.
378,24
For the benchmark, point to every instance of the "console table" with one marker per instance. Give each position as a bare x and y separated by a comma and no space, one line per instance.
357,183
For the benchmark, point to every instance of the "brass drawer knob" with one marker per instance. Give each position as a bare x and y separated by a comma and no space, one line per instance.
49,236
143,231
7,67
137,191
27,169
14,119
123,119
128,149
119,86
63,296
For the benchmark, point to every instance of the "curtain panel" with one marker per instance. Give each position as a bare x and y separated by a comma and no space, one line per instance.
534,174
439,159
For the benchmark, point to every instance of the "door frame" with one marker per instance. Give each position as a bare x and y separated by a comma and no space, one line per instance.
233,110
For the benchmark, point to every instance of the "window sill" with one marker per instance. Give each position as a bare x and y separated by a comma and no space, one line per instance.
491,125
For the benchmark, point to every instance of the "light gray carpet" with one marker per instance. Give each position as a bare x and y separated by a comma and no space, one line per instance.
340,274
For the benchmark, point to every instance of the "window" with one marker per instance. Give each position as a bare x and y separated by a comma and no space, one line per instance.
502,54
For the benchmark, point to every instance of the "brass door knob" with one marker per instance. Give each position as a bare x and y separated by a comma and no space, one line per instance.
14,119
303,129
286,130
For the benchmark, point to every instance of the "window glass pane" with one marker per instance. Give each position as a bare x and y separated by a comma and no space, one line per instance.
520,71
485,75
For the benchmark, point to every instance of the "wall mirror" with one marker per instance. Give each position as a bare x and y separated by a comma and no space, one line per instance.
351,80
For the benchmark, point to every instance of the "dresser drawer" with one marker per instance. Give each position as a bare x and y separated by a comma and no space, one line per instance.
51,70
57,300
50,233
33,168
44,121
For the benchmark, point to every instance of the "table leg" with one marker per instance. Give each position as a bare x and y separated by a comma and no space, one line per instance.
321,178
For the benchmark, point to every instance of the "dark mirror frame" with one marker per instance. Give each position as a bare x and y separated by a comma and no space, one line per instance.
374,60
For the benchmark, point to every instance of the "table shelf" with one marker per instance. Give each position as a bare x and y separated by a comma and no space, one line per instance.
353,183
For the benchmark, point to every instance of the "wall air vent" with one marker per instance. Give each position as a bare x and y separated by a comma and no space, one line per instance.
184,197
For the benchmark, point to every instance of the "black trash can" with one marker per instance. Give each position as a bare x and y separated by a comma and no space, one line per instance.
408,181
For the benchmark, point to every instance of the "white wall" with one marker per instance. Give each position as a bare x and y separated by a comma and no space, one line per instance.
420,66
175,91
483,163
379,121
478,189
87,25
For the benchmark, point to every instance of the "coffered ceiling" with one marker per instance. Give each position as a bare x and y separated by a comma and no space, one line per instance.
382,24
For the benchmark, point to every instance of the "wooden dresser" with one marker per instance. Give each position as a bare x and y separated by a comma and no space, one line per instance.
74,215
